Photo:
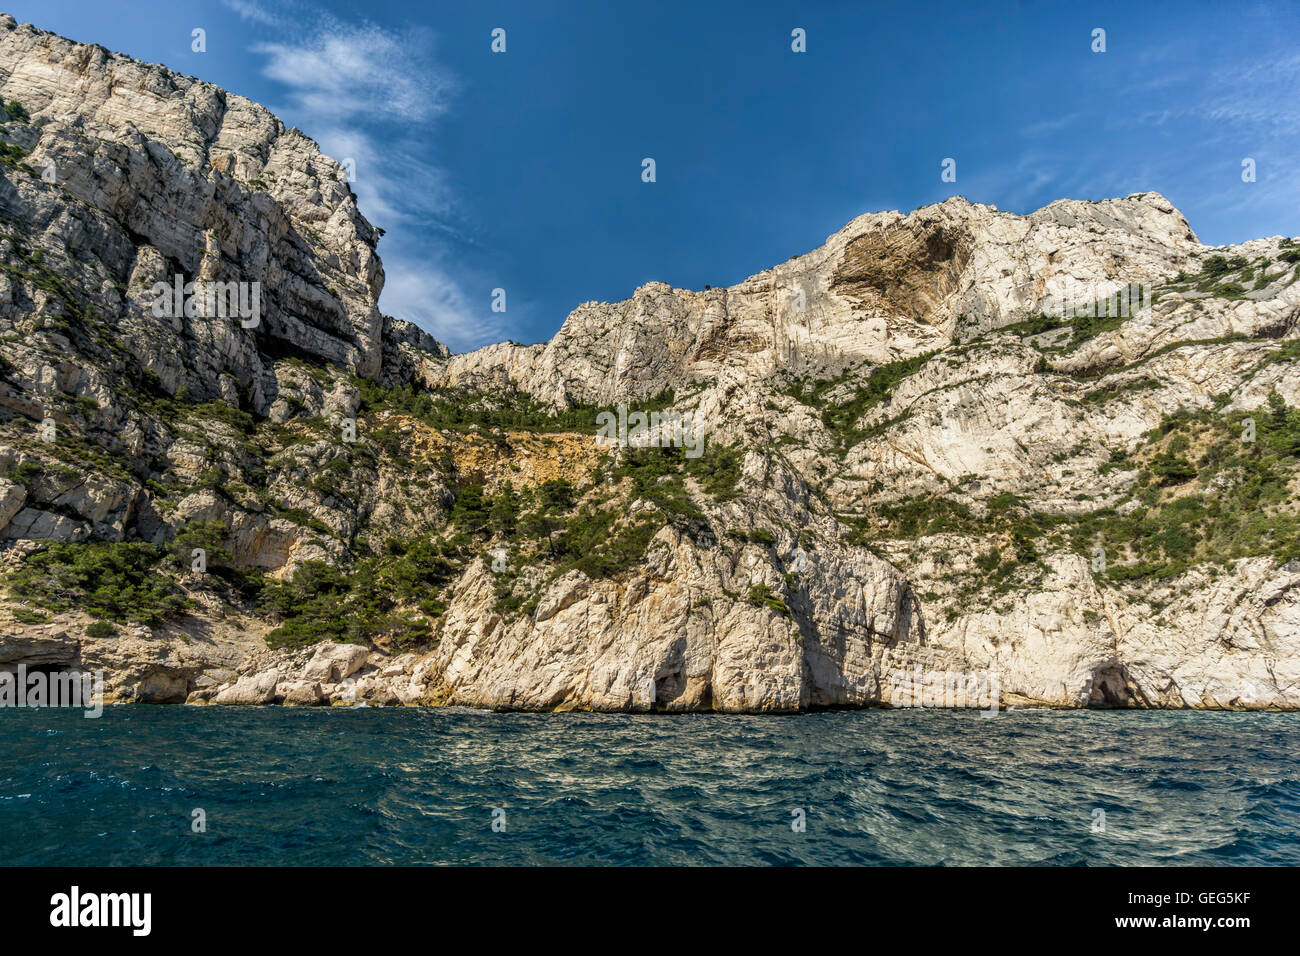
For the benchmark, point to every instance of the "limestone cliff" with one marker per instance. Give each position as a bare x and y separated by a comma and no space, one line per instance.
924,447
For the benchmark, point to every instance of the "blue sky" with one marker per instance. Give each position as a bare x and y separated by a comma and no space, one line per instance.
522,170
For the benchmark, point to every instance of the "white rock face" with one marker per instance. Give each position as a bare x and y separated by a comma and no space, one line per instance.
671,639
885,286
218,186
939,472
943,280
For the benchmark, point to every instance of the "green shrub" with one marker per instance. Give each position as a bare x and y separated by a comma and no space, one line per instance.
600,555
13,155
469,513
27,474
101,629
717,470
1170,469
368,603
1005,501
114,580
503,513
760,595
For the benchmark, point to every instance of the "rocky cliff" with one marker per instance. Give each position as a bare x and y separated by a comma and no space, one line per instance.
937,451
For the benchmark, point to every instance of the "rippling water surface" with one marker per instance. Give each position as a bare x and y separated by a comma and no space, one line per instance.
400,785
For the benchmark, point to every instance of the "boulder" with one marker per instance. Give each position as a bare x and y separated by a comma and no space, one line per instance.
299,693
333,663
251,689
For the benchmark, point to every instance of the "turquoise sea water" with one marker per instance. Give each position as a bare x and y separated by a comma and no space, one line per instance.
399,785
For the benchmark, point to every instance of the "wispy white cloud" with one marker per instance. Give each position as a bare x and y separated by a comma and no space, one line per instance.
1255,95
371,98
1181,124
349,71
1017,186
1050,125
248,10
428,295
1232,109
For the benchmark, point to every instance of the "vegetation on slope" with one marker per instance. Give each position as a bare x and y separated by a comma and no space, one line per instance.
841,418
463,410
1201,495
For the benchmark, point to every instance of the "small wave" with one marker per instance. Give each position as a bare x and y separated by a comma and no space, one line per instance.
415,785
